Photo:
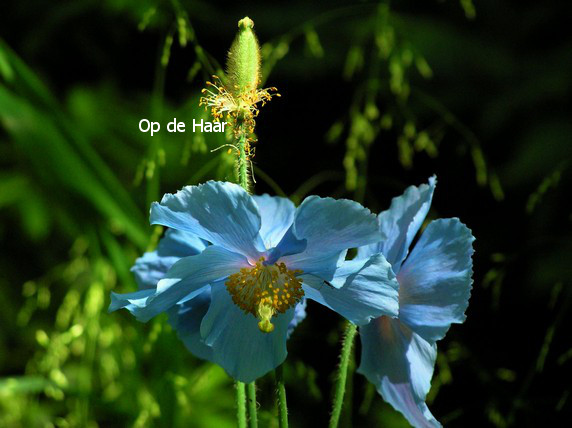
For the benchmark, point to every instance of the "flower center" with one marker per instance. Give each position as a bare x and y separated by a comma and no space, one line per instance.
265,290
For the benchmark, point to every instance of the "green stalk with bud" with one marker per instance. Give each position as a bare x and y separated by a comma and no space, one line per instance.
237,97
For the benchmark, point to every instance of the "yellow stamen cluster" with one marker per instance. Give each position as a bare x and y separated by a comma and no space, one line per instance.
234,105
265,290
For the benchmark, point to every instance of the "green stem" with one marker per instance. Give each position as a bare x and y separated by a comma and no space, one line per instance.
240,405
347,344
281,395
347,408
243,178
251,392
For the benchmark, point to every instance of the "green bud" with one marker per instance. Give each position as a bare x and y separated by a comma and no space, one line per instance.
243,64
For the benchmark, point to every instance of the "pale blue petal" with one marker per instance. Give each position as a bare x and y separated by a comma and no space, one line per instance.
334,224
238,345
360,290
435,280
150,268
400,364
330,226
178,243
318,263
287,246
184,280
400,223
299,316
402,400
153,265
130,301
185,318
219,212
277,215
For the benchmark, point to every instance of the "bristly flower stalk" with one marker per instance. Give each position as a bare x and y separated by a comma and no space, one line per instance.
237,96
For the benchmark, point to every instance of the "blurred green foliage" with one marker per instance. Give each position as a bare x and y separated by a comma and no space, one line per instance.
376,96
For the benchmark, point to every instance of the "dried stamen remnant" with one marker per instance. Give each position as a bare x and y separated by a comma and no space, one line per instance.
235,107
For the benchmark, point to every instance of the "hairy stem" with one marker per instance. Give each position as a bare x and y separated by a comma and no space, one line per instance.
338,403
251,393
243,160
281,396
240,405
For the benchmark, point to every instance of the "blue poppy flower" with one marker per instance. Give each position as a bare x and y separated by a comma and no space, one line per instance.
398,355
233,271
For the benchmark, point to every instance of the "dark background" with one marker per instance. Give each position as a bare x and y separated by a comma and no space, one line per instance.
361,116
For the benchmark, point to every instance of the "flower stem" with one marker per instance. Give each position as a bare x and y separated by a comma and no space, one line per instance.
251,392
338,403
240,405
243,179
281,395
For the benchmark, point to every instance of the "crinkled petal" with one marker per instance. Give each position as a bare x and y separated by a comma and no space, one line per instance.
400,364
185,318
277,215
330,227
287,246
299,316
402,400
322,264
130,301
219,212
360,290
435,280
334,224
184,280
238,345
152,266
400,223
178,243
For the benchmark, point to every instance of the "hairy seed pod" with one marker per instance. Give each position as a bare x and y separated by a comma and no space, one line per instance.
243,64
